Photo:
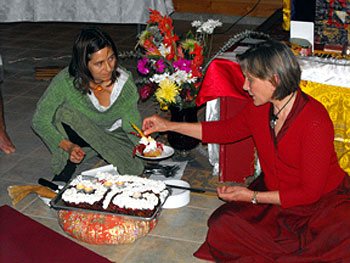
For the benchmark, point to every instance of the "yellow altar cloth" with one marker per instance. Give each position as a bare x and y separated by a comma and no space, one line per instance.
286,14
328,83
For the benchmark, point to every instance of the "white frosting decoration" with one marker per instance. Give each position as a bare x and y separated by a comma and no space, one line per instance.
125,191
150,143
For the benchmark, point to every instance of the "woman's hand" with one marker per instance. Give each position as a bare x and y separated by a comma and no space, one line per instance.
235,193
154,124
76,153
242,193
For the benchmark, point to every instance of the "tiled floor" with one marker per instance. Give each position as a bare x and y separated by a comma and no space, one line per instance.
24,46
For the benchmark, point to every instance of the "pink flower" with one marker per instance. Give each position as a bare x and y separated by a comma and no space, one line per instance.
183,64
141,66
160,66
180,53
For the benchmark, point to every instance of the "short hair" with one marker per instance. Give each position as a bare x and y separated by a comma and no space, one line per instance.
269,58
87,42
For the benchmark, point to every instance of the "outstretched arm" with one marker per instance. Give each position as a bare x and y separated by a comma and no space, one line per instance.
242,193
5,143
156,124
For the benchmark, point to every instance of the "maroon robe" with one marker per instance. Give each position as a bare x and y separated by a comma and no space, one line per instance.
244,232
300,229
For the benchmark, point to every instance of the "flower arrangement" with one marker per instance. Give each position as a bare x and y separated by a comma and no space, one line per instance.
173,68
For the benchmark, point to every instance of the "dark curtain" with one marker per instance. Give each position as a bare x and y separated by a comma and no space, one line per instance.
303,10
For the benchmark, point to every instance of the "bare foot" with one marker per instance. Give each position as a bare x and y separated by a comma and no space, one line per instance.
5,143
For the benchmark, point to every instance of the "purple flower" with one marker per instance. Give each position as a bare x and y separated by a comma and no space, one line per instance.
182,64
141,66
160,66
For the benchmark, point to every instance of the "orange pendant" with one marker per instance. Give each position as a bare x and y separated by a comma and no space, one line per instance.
99,88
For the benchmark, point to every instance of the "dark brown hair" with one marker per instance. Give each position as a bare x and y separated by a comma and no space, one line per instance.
89,41
273,58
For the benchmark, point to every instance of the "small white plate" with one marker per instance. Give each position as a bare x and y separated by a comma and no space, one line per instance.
178,197
109,168
167,152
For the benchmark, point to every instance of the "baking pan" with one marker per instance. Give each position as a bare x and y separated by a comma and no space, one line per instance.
58,204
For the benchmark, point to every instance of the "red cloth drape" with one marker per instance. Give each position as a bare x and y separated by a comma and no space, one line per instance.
223,78
243,232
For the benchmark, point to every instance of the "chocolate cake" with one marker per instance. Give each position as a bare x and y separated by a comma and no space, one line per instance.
122,194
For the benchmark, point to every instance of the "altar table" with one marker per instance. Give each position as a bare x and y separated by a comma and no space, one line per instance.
328,81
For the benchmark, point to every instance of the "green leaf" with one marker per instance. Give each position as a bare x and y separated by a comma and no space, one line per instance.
189,35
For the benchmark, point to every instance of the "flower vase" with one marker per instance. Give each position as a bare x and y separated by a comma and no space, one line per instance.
180,142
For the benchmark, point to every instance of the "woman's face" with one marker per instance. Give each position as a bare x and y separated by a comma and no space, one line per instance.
102,64
260,90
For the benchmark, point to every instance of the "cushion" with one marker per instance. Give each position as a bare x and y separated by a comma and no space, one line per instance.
103,229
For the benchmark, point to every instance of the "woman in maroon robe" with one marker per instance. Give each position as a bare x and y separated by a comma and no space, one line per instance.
298,210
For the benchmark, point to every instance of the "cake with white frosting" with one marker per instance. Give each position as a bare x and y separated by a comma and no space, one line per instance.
149,147
123,194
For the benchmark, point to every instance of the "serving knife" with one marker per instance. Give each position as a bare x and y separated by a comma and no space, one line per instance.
192,189
48,184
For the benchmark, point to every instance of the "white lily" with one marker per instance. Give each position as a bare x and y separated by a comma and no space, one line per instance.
196,23
164,50
214,23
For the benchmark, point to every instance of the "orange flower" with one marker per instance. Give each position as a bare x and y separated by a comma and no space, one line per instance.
151,47
197,50
155,16
197,61
170,39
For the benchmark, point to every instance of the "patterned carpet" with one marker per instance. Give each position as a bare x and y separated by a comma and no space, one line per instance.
200,178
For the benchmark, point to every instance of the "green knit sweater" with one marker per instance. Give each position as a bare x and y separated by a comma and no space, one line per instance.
63,103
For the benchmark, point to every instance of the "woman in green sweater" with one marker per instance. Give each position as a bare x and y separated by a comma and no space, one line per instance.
88,107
